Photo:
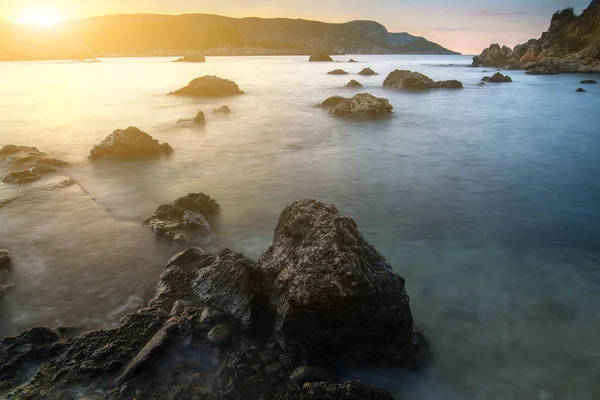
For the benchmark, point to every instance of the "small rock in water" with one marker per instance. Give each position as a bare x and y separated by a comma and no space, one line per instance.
129,144
191,58
332,101
497,78
415,81
316,57
588,82
363,105
5,258
353,84
199,118
209,86
337,72
367,72
220,335
222,110
352,60
581,90
302,375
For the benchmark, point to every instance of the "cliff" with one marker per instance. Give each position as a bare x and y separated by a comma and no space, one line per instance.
571,44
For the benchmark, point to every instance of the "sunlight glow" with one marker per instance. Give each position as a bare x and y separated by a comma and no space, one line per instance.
39,16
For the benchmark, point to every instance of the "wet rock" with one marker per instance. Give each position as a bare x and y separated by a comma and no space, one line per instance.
337,72
581,90
191,58
496,78
408,80
339,391
318,57
588,82
367,72
352,60
332,101
129,144
30,157
353,84
5,258
302,375
185,221
362,105
326,283
222,110
209,86
21,177
43,169
220,335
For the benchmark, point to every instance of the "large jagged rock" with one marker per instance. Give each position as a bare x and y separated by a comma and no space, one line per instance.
337,72
187,220
362,105
408,80
209,86
496,78
367,72
191,58
129,144
5,258
320,57
327,284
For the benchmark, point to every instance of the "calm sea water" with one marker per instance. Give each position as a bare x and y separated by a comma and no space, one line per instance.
487,200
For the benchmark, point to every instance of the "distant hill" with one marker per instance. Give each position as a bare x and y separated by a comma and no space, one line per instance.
153,34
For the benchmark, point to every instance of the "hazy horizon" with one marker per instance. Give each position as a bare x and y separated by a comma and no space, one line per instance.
467,26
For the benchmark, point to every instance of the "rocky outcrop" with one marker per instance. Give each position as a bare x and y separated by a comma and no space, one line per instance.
408,80
187,221
337,72
496,78
129,144
571,45
367,72
223,110
191,58
5,258
320,57
215,327
362,105
588,82
353,84
209,86
36,163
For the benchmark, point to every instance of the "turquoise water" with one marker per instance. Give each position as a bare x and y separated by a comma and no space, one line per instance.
487,200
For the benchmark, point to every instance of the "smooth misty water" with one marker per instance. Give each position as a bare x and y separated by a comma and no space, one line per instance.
487,200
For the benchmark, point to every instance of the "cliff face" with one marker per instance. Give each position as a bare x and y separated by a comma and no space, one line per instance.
571,44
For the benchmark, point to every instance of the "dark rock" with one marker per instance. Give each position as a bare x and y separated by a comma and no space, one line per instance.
273,368
21,177
352,60
362,105
302,375
337,72
408,80
494,56
209,86
588,82
129,144
187,220
316,57
581,90
332,101
223,110
220,335
5,258
199,119
327,283
353,84
496,78
43,169
212,316
339,391
367,72
191,58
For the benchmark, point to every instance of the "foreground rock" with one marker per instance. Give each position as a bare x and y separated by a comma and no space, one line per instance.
588,82
353,84
35,162
209,86
214,328
191,58
5,258
408,80
187,220
496,78
223,110
129,144
320,57
362,105
367,72
337,72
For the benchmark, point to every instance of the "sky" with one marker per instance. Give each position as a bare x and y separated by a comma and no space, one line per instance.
467,26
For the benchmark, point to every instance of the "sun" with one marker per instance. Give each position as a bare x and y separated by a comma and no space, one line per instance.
39,16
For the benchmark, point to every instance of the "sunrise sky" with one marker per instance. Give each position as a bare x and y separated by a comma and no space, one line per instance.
467,26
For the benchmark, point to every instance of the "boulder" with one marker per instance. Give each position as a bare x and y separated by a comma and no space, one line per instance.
326,283
187,220
129,144
223,110
209,86
408,80
21,177
332,101
353,84
352,390
199,119
367,72
588,82
352,60
319,57
496,78
362,105
337,72
191,58
5,258
581,90
493,56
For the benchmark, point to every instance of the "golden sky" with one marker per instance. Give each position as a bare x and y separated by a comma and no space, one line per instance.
463,25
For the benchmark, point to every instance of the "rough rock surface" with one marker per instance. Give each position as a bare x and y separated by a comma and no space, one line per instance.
354,84
209,86
21,177
187,220
408,80
316,57
5,258
337,72
128,144
362,105
191,58
36,162
222,110
496,78
367,72
214,328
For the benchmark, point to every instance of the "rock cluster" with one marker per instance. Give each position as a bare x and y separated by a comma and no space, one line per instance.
320,57
408,80
30,162
209,86
129,144
362,105
496,78
222,326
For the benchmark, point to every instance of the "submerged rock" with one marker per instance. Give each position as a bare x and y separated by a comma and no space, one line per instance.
222,110
21,177
129,144
5,258
209,86
191,58
353,84
588,82
581,90
316,57
187,220
332,101
337,72
367,72
496,78
408,80
362,105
